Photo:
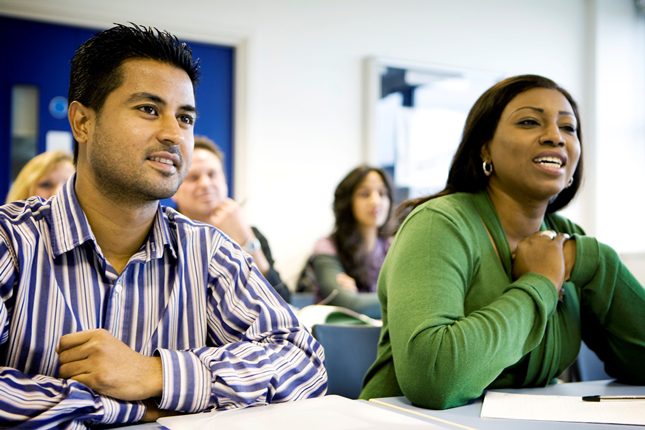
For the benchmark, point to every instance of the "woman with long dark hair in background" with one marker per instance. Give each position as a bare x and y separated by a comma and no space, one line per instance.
344,266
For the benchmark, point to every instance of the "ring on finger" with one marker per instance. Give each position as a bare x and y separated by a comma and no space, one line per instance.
549,233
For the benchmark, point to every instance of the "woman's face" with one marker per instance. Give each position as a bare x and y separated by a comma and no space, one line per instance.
51,182
535,148
370,201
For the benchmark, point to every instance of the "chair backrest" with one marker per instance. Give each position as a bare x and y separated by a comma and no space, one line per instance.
349,352
300,300
591,368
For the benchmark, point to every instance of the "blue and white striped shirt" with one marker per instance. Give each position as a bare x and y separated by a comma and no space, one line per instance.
190,295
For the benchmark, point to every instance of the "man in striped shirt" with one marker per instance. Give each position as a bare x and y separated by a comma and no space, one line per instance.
114,309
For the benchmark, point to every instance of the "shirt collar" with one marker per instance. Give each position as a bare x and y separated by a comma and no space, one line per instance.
161,236
491,221
69,227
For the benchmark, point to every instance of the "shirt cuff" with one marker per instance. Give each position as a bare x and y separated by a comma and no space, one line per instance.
186,382
119,411
539,287
587,260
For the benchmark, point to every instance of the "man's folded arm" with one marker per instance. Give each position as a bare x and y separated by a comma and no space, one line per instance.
258,352
47,402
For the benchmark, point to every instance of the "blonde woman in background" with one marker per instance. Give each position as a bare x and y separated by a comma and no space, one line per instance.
42,176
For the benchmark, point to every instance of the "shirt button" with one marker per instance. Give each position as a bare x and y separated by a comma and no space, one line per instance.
118,288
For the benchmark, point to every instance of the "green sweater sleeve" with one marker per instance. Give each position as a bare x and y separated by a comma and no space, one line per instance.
445,355
326,268
612,308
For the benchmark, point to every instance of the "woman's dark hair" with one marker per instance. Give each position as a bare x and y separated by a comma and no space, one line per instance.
346,235
96,71
466,174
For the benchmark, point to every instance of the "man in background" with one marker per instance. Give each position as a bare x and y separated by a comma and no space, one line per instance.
203,196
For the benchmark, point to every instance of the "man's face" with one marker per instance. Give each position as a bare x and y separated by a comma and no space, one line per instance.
139,145
204,186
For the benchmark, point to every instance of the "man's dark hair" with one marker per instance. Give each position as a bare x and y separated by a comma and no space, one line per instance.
96,70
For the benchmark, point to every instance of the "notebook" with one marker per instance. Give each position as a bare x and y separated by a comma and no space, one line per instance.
322,413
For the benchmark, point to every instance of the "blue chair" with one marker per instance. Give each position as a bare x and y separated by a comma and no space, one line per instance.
589,365
349,351
300,300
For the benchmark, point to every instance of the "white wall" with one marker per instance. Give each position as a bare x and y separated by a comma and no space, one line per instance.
301,113
620,176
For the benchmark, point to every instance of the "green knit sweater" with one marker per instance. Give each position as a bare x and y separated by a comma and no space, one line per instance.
455,324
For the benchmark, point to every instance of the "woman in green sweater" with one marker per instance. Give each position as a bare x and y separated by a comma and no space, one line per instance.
485,286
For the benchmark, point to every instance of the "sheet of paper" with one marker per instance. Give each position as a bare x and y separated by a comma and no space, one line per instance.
323,413
562,408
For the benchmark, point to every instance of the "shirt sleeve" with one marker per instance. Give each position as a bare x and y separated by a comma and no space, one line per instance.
42,401
258,351
443,355
612,309
327,267
273,276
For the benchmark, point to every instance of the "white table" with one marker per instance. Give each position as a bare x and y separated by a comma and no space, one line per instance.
468,416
